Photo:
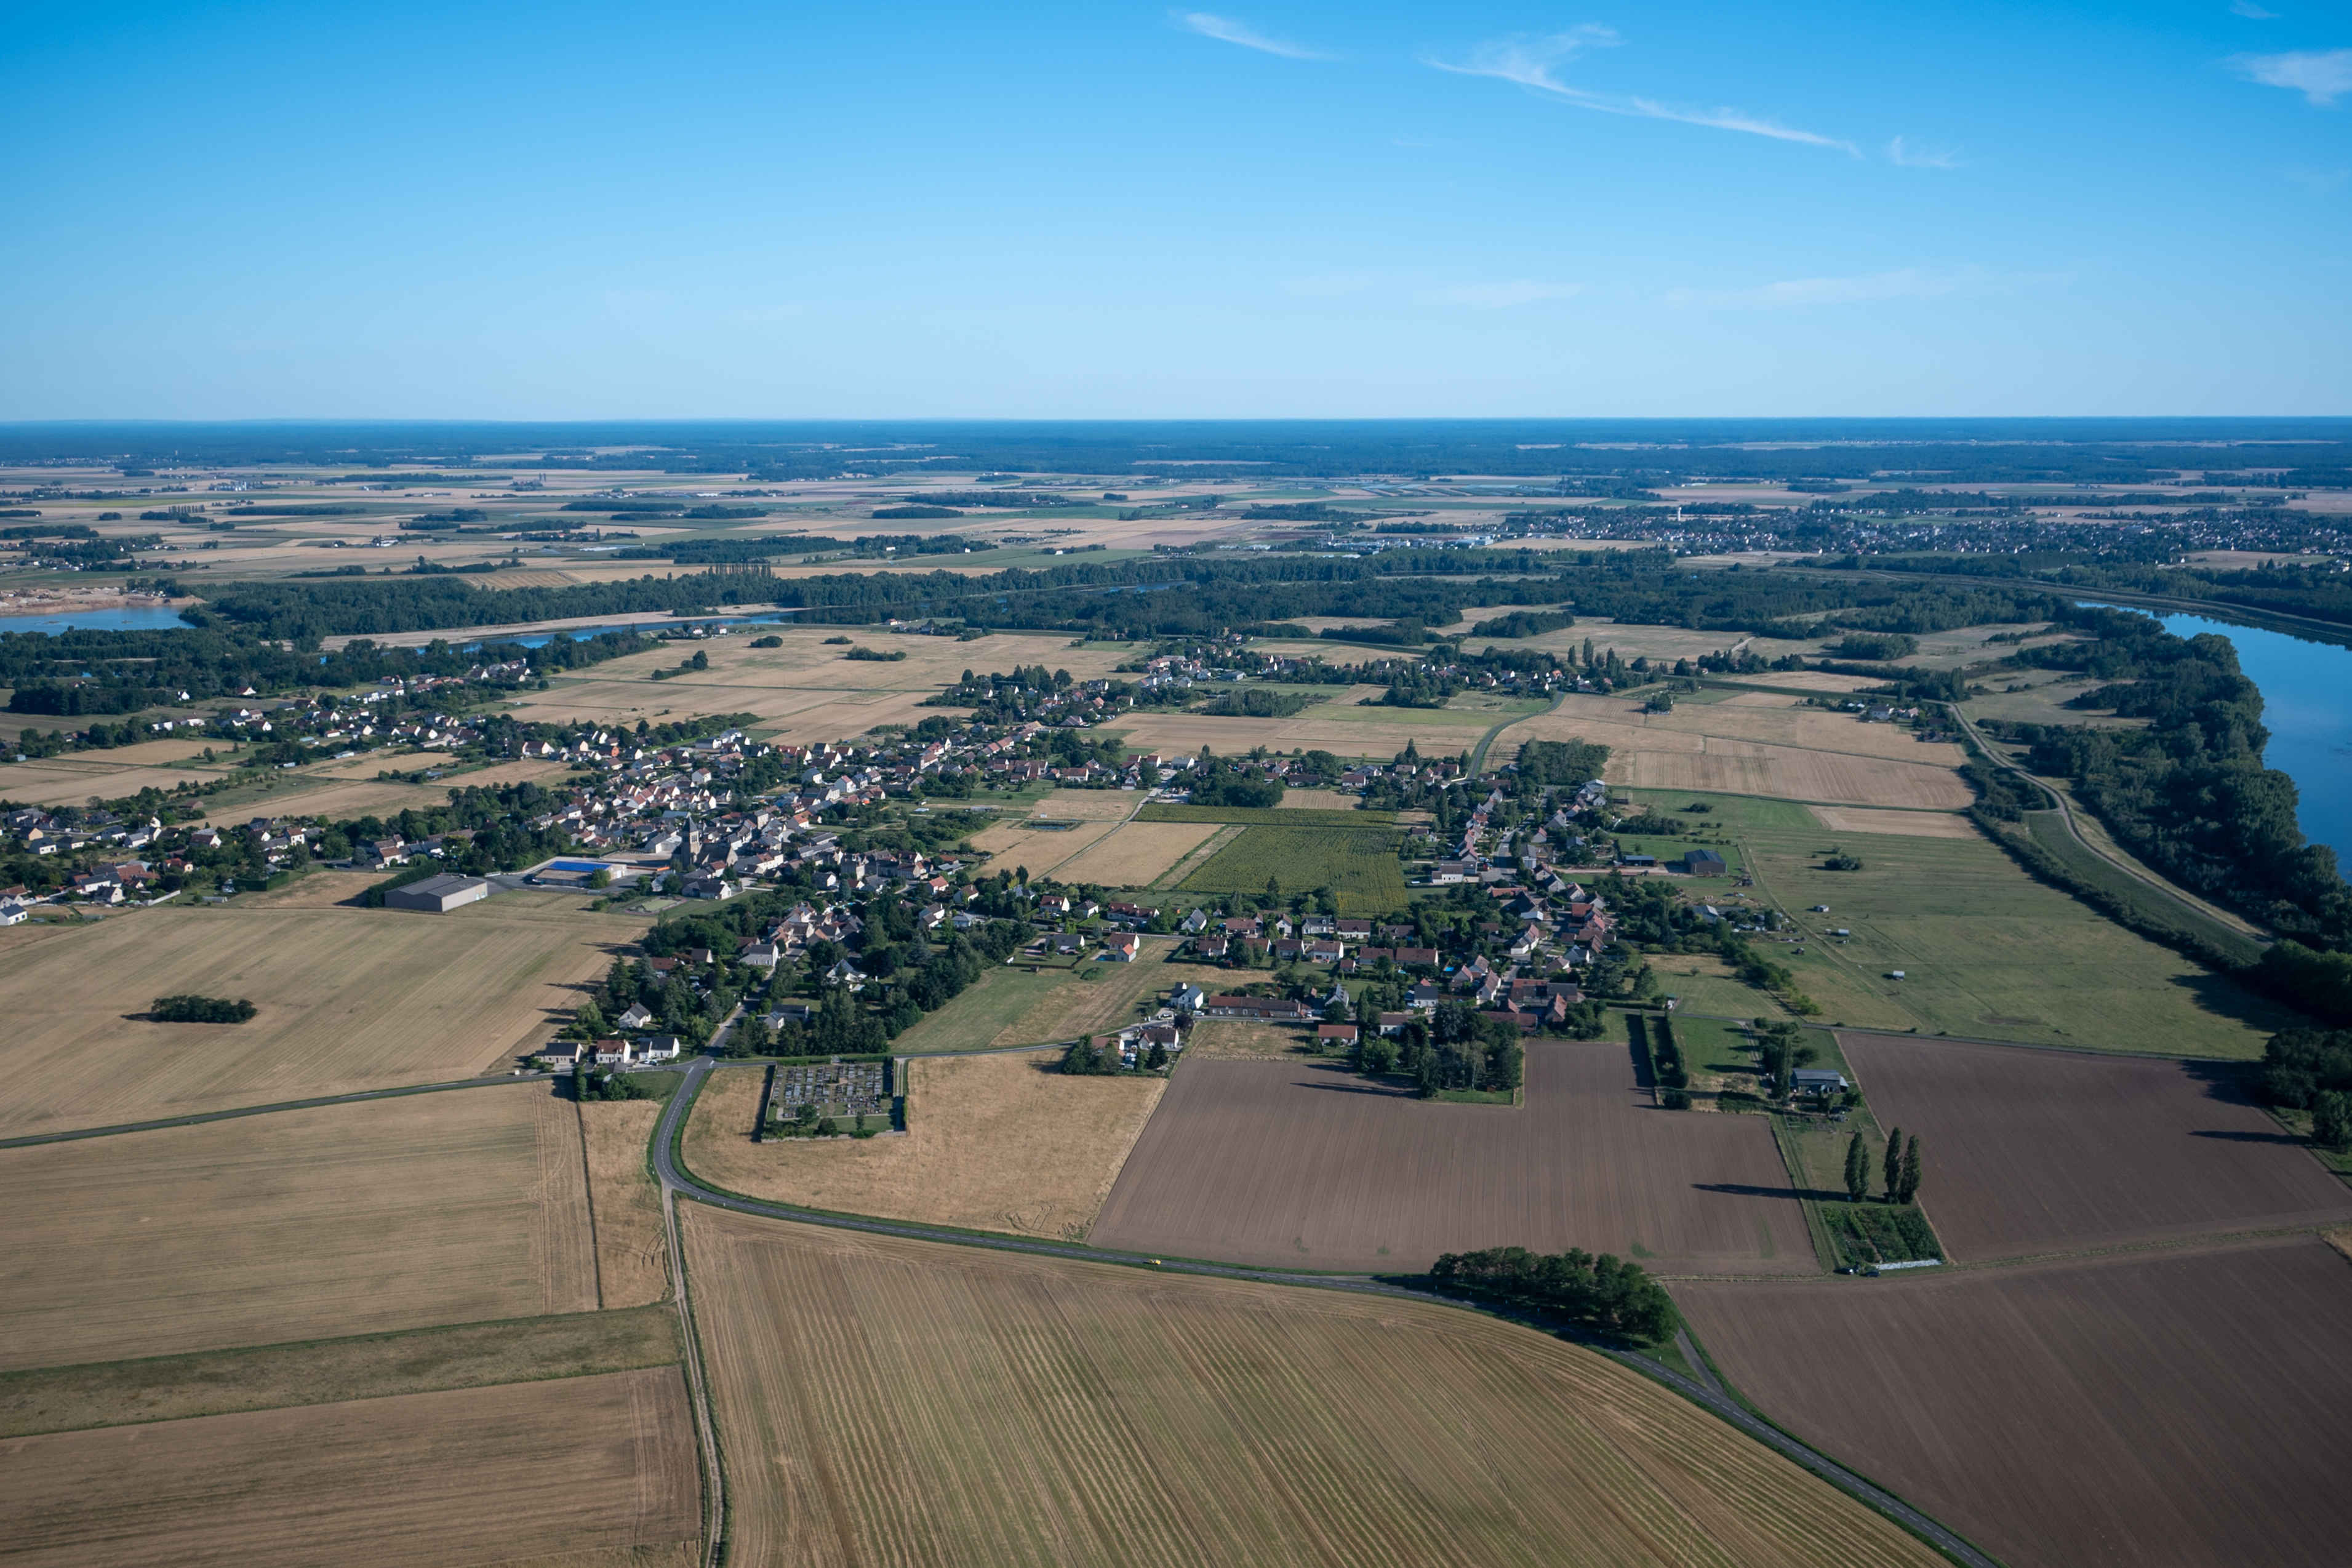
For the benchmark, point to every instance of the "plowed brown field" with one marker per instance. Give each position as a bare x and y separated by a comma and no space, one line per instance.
890,1401
2031,1151
585,1465
1302,1164
2174,1410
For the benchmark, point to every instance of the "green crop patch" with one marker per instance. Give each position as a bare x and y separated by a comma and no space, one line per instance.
1358,863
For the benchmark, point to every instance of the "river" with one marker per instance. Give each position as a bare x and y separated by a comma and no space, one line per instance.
2307,706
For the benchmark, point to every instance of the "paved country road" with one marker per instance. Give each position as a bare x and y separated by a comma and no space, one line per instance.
679,1182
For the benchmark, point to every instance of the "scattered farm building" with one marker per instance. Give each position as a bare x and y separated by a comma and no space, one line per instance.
438,894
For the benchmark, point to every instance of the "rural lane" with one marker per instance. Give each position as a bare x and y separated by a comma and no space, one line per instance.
678,1182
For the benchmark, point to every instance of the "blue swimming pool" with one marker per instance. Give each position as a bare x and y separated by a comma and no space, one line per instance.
591,866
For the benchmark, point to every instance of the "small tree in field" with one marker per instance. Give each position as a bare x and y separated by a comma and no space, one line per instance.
2331,1120
1857,1170
1911,1169
1893,1171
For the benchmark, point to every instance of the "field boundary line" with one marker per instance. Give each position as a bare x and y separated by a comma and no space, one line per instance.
588,1182
668,1140
199,1118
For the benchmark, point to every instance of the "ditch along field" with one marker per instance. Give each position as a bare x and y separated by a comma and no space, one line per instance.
2038,1150
996,1142
1755,744
587,1472
349,999
2151,1410
804,691
882,1400
461,1206
1985,950
1359,864
1304,1164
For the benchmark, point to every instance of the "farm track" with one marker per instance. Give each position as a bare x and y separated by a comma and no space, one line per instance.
2198,917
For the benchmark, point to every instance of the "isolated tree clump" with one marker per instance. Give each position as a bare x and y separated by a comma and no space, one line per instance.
190,1009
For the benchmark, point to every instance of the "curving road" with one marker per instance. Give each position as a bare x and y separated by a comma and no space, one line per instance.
678,1182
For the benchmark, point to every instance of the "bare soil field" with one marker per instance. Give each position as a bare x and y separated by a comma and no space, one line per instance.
992,1142
349,999
900,1401
1135,855
1238,1040
348,1219
329,1372
1306,1164
599,1465
2031,1151
1902,824
632,1247
2166,1410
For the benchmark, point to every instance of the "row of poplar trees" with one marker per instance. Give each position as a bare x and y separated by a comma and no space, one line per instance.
1899,1168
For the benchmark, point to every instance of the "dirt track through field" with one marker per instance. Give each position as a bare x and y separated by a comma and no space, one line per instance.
2169,1410
586,1465
2031,1151
890,1401
1304,1164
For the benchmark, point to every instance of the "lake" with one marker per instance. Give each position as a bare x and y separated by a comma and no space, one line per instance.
2307,706
130,618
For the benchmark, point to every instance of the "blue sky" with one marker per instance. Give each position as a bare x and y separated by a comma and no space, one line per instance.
1110,209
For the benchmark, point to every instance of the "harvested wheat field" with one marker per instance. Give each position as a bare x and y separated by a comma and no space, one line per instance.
332,800
632,1247
349,998
992,1142
900,1401
594,1470
1306,1164
2164,1410
1086,806
805,691
2035,1151
348,1219
1342,732
1789,754
1135,855
1901,824
1324,799
70,781
1039,848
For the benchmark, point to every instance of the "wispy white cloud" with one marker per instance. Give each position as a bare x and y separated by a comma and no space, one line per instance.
1534,61
2323,76
1508,295
1796,293
1908,154
2252,12
1224,29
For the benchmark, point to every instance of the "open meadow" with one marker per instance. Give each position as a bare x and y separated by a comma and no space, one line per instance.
1985,950
453,1207
1301,1164
2148,1410
2039,1151
1359,864
349,999
992,1142
885,1400
588,1472
1010,1005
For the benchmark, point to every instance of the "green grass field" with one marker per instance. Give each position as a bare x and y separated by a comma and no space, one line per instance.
1358,863
987,1007
1986,950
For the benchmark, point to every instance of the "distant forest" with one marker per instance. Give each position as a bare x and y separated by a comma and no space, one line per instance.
1976,451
